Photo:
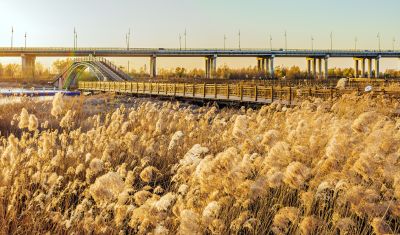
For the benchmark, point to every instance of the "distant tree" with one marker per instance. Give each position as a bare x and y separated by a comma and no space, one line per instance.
180,71
1,70
11,70
60,65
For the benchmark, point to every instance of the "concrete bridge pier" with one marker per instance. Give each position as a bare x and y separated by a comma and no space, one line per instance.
262,64
319,68
271,67
326,67
312,67
377,75
153,66
309,66
28,65
369,68
211,66
356,69
363,67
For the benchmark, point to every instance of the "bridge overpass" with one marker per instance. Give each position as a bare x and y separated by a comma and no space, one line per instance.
317,60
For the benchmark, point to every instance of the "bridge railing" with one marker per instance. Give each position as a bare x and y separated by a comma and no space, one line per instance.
227,92
119,49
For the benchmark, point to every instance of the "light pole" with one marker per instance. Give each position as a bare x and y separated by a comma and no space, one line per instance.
224,42
331,41
355,43
12,36
180,42
239,40
312,43
185,38
128,38
285,40
74,38
25,40
394,42
270,41
379,41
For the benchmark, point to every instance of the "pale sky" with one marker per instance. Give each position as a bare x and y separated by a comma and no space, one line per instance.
158,23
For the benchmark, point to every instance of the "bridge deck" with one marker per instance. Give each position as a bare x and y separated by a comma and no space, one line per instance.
256,94
192,52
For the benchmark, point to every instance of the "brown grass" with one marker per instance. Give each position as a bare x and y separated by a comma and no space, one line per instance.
324,167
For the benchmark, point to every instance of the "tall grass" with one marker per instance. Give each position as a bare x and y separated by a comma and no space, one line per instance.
323,167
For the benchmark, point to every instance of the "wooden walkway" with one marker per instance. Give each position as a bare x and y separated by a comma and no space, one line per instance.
258,94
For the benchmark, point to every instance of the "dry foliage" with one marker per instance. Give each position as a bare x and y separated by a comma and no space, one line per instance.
324,167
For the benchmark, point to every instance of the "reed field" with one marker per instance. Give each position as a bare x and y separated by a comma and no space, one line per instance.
109,165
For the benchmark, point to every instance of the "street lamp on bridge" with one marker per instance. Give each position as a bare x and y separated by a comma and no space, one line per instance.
379,41
75,39
185,38
331,41
12,36
224,42
180,42
25,40
394,42
355,43
270,41
285,41
239,40
312,43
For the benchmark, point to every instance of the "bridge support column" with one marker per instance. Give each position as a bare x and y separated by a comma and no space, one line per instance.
207,69
259,66
319,68
28,66
211,66
262,64
363,67
272,68
153,66
377,67
314,67
309,66
356,67
214,66
369,68
326,67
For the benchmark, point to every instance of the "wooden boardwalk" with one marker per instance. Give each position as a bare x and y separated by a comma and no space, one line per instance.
258,94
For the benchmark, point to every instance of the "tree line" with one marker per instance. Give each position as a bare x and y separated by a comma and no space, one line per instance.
13,70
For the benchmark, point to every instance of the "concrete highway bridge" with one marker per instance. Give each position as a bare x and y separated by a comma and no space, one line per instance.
317,60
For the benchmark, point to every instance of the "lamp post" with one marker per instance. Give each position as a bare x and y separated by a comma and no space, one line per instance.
270,41
12,36
25,40
331,41
355,43
180,42
394,42
185,38
379,41
239,40
224,42
285,40
312,43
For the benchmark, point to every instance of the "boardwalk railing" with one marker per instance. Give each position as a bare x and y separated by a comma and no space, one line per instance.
224,92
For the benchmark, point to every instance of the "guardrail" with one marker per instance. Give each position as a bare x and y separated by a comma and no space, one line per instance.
120,49
224,92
